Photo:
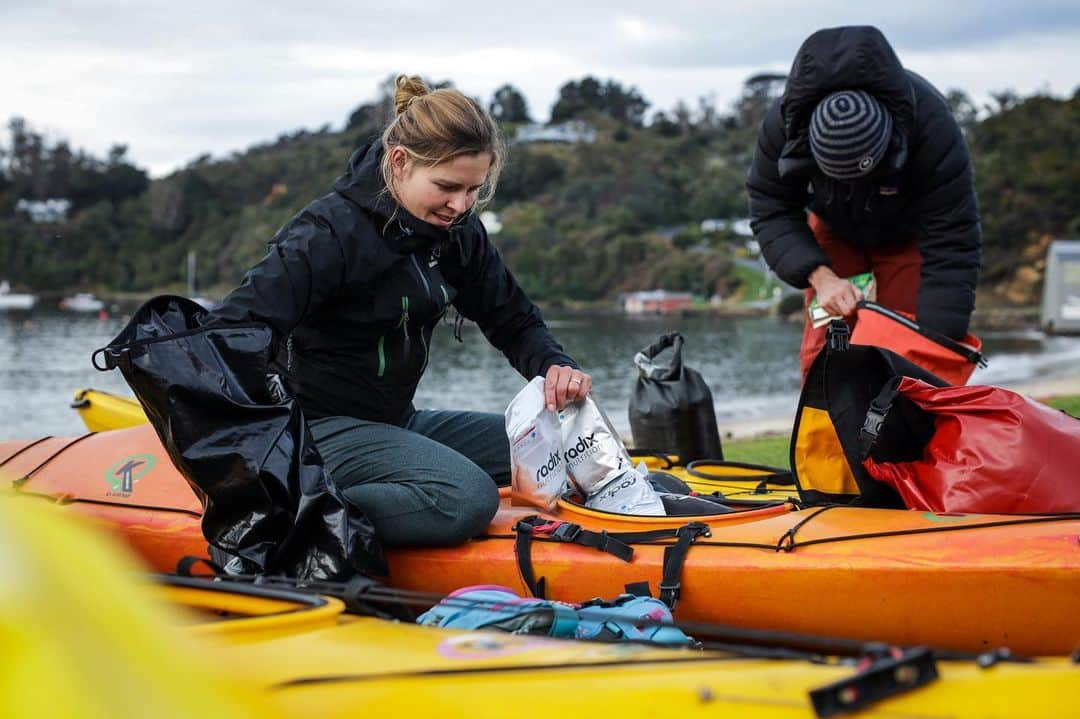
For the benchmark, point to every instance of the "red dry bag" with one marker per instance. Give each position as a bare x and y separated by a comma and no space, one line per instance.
992,451
949,359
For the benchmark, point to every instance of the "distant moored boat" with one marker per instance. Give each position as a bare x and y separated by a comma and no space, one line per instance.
15,300
82,302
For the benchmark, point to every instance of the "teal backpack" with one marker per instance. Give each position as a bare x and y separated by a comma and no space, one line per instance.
627,618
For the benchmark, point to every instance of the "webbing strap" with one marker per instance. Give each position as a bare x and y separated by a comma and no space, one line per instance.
523,552
675,557
617,545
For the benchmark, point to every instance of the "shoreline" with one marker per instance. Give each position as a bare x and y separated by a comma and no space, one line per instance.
780,425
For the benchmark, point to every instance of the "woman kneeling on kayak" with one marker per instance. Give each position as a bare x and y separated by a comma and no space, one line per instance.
353,287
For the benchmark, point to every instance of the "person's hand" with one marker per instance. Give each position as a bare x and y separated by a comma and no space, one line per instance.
565,384
835,295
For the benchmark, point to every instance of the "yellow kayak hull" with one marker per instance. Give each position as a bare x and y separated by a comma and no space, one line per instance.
103,411
82,637
369,665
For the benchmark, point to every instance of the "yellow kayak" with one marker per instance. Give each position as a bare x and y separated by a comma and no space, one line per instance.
313,667
82,636
103,411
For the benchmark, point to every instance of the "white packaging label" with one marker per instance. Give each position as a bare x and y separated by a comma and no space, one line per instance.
538,469
591,447
627,492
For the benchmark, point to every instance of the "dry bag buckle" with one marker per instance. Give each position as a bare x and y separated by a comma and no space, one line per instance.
838,336
868,435
566,532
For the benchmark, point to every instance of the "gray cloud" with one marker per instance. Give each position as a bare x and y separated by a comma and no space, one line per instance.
175,80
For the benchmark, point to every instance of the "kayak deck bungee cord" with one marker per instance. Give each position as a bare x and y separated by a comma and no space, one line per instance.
958,582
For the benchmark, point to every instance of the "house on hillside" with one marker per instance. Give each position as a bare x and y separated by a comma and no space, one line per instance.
45,211
1061,288
740,227
571,132
656,302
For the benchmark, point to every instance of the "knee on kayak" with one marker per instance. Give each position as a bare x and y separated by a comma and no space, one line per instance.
442,511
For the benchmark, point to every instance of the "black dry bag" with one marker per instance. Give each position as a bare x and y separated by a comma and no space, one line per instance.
242,443
671,407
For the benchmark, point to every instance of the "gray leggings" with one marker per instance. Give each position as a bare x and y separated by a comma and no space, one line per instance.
432,482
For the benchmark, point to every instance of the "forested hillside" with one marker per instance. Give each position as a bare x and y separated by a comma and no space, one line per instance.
579,222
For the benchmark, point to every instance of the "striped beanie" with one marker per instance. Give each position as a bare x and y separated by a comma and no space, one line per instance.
849,134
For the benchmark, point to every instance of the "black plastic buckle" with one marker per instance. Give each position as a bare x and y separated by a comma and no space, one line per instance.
523,526
669,594
882,679
566,532
875,417
838,336
696,529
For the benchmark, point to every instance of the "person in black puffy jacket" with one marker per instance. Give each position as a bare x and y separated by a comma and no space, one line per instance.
353,287
873,152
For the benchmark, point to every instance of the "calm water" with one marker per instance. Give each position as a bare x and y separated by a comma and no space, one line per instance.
749,363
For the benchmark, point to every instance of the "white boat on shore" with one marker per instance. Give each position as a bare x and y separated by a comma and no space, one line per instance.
15,300
82,302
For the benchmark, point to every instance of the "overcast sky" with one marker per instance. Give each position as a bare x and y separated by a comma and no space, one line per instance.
175,80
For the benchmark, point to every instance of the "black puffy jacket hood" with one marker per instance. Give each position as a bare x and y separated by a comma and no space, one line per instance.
844,58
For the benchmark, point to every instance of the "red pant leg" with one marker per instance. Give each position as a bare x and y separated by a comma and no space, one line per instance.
846,261
896,272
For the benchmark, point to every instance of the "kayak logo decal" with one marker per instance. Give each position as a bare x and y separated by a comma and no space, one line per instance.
123,475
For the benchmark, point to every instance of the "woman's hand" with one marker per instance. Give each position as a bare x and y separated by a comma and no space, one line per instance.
565,384
835,295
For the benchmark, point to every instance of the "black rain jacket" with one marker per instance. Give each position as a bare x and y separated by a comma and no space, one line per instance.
356,285
923,188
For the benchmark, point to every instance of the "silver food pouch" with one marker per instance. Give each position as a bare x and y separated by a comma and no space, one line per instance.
538,469
627,492
591,447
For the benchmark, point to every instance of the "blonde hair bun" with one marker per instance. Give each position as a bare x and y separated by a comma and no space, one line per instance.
407,89
446,124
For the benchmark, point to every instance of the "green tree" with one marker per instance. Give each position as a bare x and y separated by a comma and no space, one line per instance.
759,91
588,96
508,105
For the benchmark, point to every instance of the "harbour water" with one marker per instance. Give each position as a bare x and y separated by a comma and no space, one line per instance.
750,364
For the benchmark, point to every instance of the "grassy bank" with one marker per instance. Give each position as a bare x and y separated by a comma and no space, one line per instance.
773,451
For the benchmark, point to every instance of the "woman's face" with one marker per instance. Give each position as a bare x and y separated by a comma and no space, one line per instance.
438,194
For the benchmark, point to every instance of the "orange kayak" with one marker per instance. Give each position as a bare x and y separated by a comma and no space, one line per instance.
964,582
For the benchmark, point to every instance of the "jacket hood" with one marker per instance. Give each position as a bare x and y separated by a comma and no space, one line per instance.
362,183
844,58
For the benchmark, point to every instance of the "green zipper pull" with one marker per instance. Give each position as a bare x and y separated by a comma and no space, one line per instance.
404,323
